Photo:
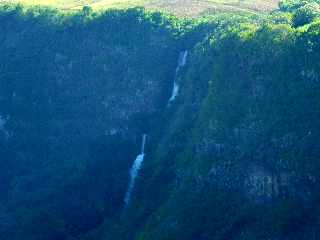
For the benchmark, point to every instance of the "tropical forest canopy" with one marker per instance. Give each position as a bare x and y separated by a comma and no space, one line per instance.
235,155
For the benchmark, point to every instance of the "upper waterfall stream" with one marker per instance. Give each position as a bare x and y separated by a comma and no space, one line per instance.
181,63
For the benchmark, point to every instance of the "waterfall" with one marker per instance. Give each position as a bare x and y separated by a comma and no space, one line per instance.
135,170
144,137
181,63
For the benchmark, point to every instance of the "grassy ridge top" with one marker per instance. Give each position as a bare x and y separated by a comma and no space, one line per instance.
178,7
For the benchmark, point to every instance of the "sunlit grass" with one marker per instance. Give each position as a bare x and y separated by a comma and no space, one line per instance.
179,7
37,2
80,3
116,3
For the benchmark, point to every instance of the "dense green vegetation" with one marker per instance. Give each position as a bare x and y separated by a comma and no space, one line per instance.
65,92
235,156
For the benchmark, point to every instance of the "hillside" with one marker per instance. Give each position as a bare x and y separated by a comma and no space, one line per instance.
178,7
130,124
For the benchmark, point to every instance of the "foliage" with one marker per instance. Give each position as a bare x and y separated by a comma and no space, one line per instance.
78,90
306,14
64,78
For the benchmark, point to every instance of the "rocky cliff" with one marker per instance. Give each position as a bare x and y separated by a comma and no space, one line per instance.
234,155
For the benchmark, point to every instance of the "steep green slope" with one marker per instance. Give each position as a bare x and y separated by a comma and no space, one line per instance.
237,155
75,91
240,158
234,156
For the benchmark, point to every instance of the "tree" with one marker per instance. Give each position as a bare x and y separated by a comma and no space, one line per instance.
86,11
306,14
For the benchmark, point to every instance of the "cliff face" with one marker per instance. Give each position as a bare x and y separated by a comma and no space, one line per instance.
80,74
239,157
234,156
75,99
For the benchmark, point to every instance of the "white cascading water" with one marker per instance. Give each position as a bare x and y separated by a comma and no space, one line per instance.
139,159
181,63
135,170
